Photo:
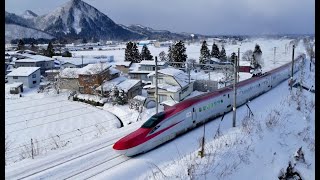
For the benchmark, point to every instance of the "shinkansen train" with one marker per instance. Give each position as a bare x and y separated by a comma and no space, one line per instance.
190,113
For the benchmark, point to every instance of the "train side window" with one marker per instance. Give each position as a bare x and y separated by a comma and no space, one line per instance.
228,96
200,109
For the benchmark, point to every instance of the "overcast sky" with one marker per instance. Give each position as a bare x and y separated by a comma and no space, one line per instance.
212,17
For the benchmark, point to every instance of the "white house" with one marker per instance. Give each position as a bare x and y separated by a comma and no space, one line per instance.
173,84
29,76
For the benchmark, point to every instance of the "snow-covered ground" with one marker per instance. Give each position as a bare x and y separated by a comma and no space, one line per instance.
234,153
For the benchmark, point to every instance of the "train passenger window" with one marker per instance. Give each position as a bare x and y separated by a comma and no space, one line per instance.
154,120
228,95
200,109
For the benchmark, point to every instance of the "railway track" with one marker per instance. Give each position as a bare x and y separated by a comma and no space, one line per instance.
83,163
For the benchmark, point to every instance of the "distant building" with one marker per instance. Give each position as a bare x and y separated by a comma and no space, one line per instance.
92,76
78,62
43,62
131,87
123,66
142,69
29,76
173,84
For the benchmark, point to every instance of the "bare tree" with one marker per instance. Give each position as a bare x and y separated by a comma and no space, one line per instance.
247,56
308,44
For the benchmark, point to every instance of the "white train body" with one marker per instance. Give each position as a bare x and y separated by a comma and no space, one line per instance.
195,111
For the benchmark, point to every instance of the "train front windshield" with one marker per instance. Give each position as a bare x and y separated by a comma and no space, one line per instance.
154,120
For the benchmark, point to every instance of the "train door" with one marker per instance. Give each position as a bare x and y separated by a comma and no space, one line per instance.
194,117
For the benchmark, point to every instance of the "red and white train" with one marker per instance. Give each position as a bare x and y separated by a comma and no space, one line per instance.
195,111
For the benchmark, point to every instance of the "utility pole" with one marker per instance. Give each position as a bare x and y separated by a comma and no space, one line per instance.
292,65
274,55
188,66
82,61
202,142
238,64
156,93
235,92
102,78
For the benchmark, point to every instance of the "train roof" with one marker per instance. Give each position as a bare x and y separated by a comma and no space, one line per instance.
189,102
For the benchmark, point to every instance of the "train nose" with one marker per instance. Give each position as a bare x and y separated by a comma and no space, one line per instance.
128,144
121,145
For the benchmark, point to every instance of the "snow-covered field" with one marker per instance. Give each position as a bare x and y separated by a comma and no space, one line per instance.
86,133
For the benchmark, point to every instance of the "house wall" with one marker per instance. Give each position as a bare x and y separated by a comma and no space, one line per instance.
90,82
44,65
27,80
135,90
68,65
122,68
186,91
69,83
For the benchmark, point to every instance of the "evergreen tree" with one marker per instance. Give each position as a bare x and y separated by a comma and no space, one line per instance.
204,53
169,58
135,54
66,54
121,99
257,54
215,52
21,45
222,55
163,56
179,53
50,50
33,47
128,52
145,53
233,57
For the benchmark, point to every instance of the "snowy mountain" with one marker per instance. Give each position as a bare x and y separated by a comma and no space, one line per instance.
77,19
28,14
11,18
14,31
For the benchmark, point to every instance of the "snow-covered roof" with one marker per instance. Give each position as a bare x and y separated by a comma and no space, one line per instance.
94,68
108,85
23,71
169,102
121,82
52,71
113,70
123,63
37,57
15,84
78,61
70,73
28,60
181,77
140,98
168,87
152,63
128,84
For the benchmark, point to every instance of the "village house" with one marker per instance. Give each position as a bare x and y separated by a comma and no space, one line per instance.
173,84
45,63
123,66
131,87
78,62
92,76
29,76
68,79
142,69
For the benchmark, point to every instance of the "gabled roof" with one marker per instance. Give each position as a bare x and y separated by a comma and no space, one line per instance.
180,76
94,68
23,71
